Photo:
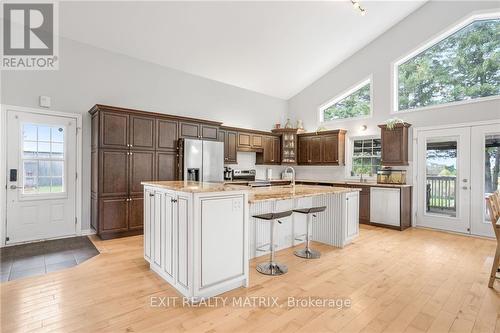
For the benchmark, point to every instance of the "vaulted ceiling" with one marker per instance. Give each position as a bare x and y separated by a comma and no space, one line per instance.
274,48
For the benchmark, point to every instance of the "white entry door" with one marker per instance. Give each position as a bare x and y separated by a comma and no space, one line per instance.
443,176
41,176
485,175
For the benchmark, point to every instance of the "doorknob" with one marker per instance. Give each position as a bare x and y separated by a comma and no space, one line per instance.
13,187
465,180
465,188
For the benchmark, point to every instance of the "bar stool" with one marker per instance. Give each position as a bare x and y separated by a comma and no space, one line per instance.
272,267
493,203
309,253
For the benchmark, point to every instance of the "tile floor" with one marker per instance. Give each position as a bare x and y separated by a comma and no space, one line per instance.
43,257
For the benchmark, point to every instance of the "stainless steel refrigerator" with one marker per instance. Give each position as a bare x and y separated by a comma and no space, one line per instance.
201,160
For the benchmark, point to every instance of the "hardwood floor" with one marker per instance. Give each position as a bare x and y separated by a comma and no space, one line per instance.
412,281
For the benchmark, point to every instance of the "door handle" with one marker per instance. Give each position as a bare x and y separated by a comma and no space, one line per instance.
13,187
465,188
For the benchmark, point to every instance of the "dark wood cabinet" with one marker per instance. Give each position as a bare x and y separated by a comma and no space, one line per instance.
141,168
189,130
271,150
230,139
135,213
248,141
113,169
142,132
166,165
115,212
303,147
288,148
129,147
332,150
167,136
315,150
364,205
244,140
257,141
209,132
394,144
276,149
322,148
114,130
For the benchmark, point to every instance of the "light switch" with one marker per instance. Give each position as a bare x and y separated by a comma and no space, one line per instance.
45,101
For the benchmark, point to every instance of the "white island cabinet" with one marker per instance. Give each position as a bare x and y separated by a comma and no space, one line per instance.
195,236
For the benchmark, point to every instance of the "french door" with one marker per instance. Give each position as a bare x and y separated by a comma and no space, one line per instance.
456,169
41,176
443,176
485,178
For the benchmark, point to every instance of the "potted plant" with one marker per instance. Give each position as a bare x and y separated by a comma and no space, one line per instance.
391,123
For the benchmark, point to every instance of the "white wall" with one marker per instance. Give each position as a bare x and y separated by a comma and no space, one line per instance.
375,59
88,75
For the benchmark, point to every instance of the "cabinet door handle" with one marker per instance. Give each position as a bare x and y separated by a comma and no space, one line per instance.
173,200
151,194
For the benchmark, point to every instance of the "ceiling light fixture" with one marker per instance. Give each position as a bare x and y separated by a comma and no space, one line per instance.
356,5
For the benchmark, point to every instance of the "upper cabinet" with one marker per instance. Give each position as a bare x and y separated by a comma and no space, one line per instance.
288,144
271,150
167,135
191,130
142,132
394,144
322,148
230,140
248,141
114,130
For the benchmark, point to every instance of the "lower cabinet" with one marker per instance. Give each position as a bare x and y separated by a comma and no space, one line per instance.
191,246
385,206
351,217
118,215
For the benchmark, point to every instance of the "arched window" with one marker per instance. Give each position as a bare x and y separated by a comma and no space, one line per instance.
461,65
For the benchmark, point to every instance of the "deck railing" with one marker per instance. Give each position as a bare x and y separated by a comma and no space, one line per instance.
441,193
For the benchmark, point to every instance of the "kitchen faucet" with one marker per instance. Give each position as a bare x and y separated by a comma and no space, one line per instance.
293,174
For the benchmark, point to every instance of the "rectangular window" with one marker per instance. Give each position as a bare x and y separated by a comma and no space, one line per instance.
463,65
354,103
366,155
43,159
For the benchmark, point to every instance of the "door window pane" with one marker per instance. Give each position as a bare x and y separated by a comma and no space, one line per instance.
43,159
491,167
441,173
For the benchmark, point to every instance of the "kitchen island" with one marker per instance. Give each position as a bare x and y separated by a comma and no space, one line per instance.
199,237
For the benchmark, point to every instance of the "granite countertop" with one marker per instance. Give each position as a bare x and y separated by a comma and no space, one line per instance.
259,194
193,187
351,182
255,194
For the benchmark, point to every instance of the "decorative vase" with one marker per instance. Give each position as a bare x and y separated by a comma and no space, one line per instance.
288,123
300,125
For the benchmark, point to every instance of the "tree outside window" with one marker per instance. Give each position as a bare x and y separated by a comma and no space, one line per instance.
356,104
463,66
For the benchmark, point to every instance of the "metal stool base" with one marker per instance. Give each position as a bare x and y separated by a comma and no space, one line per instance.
307,254
268,268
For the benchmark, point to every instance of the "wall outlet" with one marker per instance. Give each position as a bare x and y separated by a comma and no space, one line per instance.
236,205
45,101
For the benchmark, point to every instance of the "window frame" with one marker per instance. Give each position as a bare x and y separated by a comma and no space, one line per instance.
350,154
349,91
463,22
43,195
